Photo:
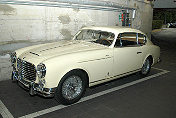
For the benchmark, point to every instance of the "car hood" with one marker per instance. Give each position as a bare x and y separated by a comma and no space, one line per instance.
46,51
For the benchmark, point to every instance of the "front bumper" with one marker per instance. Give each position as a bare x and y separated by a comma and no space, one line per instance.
34,88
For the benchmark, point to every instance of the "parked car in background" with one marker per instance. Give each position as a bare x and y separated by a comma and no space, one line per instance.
95,55
171,25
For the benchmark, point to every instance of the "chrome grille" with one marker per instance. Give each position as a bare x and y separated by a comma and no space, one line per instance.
26,70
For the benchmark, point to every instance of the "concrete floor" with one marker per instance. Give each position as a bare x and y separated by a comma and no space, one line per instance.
154,98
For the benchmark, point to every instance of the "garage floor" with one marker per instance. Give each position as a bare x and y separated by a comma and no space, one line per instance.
128,97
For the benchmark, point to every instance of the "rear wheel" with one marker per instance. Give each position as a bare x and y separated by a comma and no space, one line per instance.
146,67
71,87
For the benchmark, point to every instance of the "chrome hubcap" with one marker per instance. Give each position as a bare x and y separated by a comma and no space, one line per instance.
72,87
146,67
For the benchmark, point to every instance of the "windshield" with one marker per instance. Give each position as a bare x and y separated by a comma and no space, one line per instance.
96,36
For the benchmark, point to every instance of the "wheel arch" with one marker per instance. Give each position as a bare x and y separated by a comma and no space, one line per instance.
80,70
58,93
150,57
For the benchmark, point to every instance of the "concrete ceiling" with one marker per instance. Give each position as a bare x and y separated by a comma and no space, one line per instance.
165,4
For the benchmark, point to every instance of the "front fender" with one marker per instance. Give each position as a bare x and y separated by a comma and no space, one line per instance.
57,67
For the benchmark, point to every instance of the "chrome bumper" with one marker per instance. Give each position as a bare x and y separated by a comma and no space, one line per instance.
34,88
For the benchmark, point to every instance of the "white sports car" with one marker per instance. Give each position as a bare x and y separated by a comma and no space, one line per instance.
65,68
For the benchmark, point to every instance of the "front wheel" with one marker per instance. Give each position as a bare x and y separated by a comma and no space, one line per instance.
71,87
146,67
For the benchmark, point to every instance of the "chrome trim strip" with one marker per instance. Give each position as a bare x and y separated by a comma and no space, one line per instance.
116,76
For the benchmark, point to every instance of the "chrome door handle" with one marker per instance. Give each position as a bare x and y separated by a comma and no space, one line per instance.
139,52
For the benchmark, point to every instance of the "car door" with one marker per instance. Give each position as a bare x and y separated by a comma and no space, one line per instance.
100,66
127,54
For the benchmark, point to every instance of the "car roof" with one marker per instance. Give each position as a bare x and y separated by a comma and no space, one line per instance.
114,29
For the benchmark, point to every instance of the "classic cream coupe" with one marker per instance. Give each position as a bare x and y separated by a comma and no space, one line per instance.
65,68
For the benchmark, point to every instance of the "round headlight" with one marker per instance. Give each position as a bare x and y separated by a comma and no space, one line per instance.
13,57
41,70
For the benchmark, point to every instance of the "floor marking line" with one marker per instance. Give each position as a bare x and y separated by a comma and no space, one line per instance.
58,107
160,69
4,111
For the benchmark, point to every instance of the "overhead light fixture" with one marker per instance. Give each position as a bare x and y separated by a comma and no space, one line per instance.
133,14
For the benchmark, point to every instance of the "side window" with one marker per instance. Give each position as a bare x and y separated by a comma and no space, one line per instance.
141,39
105,38
126,39
130,39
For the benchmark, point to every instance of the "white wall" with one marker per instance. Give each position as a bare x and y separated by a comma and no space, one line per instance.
31,23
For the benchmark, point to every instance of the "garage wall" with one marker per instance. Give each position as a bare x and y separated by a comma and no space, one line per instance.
29,21
144,16
21,22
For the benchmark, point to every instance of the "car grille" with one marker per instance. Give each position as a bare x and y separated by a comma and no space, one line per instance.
26,70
